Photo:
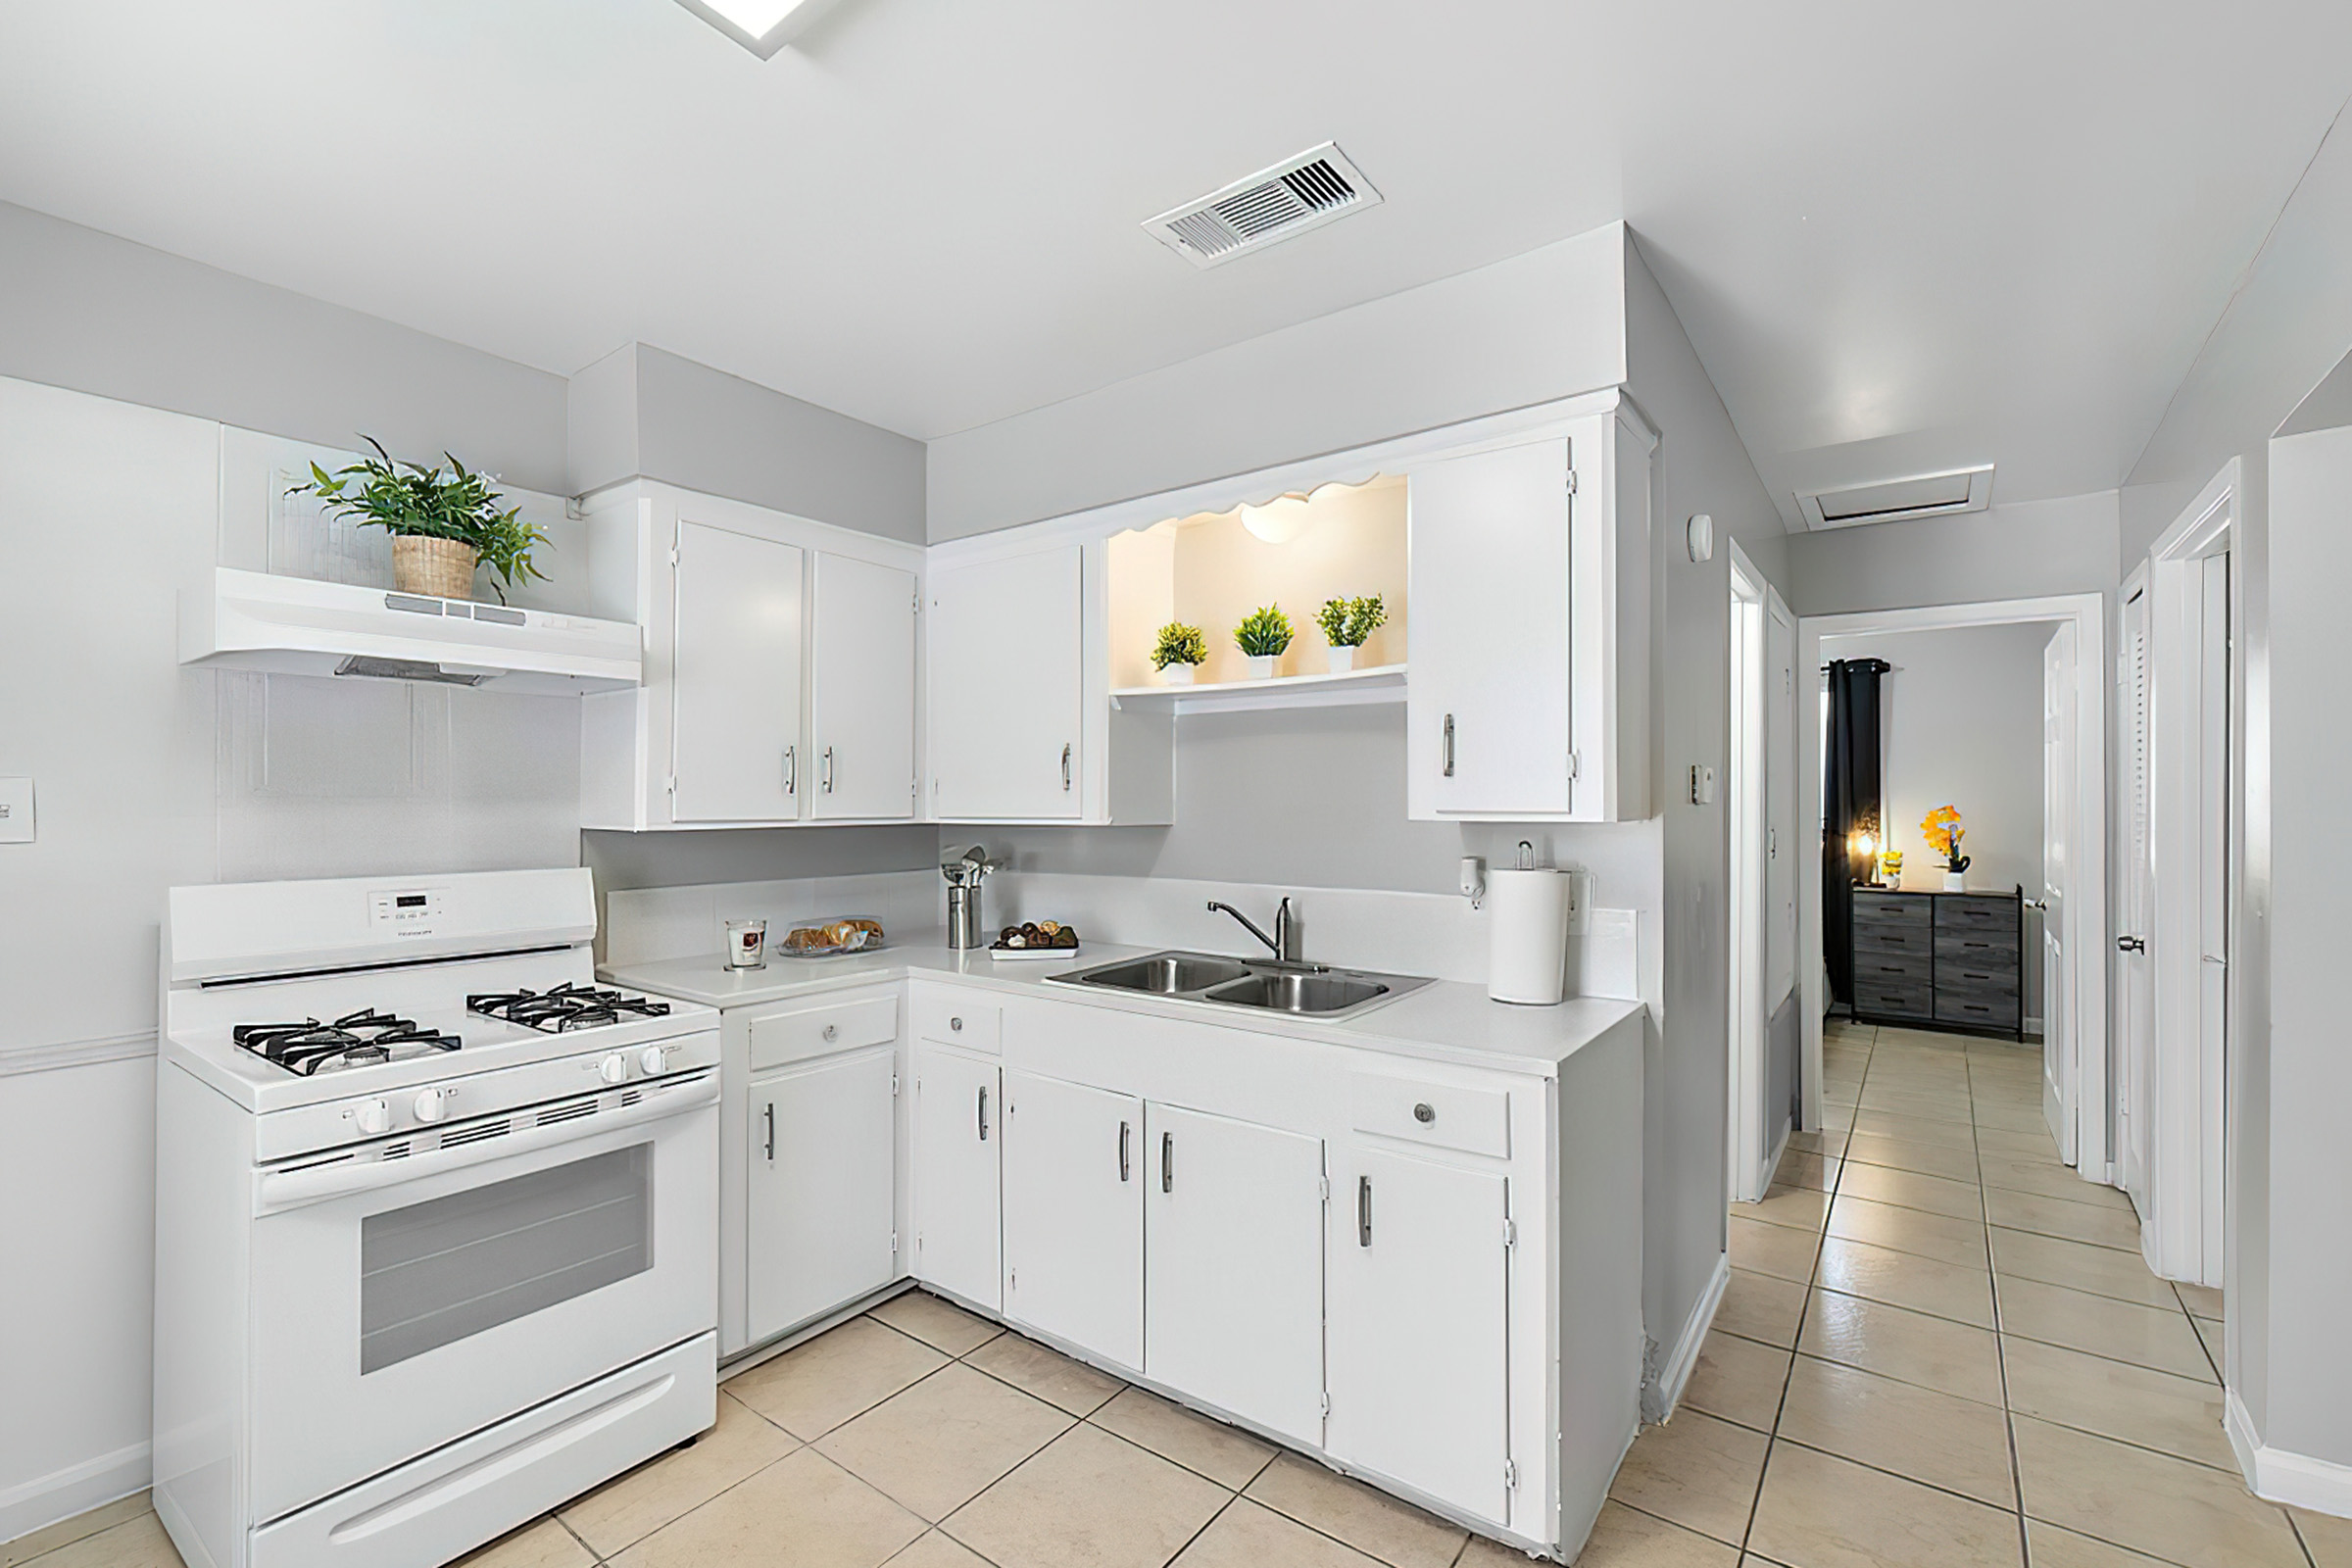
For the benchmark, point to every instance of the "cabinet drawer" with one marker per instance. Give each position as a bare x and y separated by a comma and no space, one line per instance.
1989,1008
1958,911
1896,940
1893,910
1977,950
1476,1121
821,1030
1912,999
1893,969
1959,968
954,1018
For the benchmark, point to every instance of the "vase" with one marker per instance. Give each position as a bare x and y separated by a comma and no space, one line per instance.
1953,882
1177,675
1261,665
441,567
1342,659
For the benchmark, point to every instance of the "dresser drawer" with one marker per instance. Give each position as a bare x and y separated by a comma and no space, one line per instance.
1988,1009
1977,950
958,1018
1958,911
1893,967
1916,941
821,1030
1900,909
1476,1121
1967,966
1912,999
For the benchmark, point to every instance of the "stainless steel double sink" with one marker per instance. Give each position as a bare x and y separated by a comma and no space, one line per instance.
1308,990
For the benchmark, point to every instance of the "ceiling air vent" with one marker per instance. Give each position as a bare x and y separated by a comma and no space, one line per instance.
1294,196
1923,494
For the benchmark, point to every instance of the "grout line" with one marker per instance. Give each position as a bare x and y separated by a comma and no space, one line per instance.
2000,1359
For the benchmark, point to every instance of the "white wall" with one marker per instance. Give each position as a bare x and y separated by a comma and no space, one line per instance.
1961,717
2025,550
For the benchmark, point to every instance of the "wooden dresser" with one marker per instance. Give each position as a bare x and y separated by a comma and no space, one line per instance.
1947,960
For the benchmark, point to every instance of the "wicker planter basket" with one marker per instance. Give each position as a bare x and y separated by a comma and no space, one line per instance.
441,567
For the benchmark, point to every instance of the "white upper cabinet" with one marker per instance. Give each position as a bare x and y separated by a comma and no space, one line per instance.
1529,693
735,681
1008,688
780,659
862,689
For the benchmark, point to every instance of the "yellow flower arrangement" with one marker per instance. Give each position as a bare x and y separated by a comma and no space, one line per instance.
1942,831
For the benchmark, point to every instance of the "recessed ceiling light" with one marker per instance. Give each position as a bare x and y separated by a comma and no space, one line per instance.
762,26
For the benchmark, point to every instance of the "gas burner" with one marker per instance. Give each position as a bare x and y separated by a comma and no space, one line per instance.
565,1007
363,1039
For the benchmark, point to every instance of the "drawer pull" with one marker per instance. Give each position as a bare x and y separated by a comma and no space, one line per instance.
956,1025
832,1031
1425,1114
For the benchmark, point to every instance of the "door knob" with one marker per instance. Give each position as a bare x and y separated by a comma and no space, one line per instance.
2130,945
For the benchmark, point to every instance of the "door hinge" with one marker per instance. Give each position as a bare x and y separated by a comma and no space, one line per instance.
1323,1187
894,1086
894,1243
1576,764
1511,1475
673,784
1572,481
1013,1279
1510,1232
673,555
1327,1401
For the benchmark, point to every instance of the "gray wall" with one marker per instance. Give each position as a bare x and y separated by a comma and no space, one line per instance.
86,310
2025,551
754,855
644,412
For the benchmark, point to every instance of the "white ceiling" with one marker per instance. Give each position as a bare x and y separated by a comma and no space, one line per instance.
1903,238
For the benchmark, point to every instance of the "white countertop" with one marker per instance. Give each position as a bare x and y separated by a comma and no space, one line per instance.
1446,1020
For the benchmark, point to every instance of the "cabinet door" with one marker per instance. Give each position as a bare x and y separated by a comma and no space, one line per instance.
1487,711
1419,1319
861,688
1233,1267
1005,691
821,1204
957,1114
735,679
1074,1214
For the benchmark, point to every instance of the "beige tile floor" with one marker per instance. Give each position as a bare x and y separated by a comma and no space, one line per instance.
1938,1349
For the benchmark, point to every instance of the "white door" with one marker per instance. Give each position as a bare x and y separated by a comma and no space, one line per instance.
861,688
957,1242
1487,712
2213,903
1233,1267
1005,688
2135,984
735,679
2059,1041
1074,1214
1419,1326
821,1209
1780,793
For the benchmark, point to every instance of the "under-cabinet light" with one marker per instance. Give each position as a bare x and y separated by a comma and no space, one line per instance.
762,26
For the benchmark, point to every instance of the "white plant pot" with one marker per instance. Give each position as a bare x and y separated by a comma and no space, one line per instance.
1178,675
1342,659
1261,665
1953,882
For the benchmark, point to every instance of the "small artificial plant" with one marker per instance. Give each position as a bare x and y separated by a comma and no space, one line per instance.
1346,622
1942,829
1179,644
410,499
1265,632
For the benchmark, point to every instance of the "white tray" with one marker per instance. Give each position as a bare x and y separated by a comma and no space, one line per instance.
1025,954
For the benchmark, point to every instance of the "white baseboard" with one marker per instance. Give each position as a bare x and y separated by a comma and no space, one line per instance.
2319,1485
1668,1392
77,1489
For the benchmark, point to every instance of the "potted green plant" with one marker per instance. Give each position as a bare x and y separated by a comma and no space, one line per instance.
1261,637
1180,652
1345,623
443,524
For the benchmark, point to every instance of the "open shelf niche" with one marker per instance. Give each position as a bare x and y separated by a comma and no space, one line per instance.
1342,541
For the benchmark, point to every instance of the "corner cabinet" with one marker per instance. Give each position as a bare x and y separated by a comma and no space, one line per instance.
1529,641
780,659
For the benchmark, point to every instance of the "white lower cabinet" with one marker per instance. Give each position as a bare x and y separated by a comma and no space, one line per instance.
821,1194
1074,1214
1420,1366
957,1209
1233,1267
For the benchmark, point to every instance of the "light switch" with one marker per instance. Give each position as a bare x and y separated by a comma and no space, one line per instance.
16,810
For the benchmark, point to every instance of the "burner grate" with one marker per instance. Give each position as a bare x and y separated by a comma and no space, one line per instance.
565,1007
362,1039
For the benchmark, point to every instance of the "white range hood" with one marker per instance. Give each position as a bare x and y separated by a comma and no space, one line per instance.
296,626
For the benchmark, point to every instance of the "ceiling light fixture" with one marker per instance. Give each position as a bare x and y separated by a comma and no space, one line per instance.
762,26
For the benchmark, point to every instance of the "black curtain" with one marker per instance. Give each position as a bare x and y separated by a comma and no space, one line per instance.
1850,795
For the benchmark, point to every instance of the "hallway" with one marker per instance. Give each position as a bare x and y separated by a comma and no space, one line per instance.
1940,1347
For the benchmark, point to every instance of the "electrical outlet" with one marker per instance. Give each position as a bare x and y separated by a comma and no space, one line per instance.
16,810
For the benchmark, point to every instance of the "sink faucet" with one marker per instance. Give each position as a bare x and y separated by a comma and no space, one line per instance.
1284,942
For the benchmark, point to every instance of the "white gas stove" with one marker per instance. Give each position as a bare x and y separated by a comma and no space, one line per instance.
436,1217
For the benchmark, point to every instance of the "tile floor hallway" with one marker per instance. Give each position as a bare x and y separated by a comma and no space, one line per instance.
1939,1348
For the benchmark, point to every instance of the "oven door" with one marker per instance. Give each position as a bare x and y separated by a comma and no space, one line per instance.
400,1304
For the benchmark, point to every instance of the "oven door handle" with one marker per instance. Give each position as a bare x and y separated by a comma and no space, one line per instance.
276,1190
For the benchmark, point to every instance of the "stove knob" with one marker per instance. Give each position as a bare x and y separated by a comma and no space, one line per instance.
374,1116
613,1069
652,1059
433,1105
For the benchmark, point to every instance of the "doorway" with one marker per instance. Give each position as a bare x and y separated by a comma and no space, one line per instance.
1759,793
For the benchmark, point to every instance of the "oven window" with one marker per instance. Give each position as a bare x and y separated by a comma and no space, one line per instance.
436,1272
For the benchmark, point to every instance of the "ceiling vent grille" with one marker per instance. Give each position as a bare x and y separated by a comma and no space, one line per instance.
1922,495
1297,194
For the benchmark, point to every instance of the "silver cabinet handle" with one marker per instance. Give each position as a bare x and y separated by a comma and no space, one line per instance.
770,1114
984,1113
1449,746
827,774
1124,1130
792,771
1424,1112
1363,1211
1065,768
1167,1162
956,1025
832,1031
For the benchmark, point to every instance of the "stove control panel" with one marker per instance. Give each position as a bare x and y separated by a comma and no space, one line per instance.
403,911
